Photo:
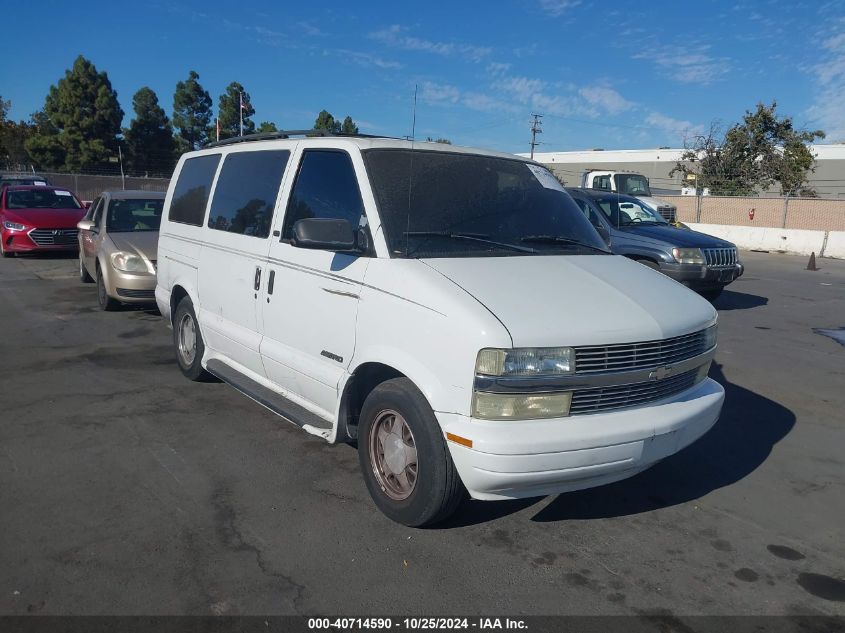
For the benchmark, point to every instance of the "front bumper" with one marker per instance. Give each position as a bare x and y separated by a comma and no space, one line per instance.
510,460
698,276
21,242
130,287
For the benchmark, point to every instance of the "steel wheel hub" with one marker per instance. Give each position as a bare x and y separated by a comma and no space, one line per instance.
393,455
187,339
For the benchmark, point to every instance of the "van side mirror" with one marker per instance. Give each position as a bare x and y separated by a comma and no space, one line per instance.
325,234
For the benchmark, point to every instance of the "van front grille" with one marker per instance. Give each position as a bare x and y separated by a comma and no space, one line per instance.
627,356
601,399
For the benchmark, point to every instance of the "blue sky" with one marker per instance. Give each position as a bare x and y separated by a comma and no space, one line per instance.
605,74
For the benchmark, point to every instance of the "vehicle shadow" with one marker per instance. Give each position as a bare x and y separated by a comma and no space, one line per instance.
731,300
47,255
742,439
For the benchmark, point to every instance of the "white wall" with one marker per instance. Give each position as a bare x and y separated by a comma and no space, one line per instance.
822,243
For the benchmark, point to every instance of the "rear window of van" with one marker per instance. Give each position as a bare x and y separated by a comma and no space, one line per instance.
190,196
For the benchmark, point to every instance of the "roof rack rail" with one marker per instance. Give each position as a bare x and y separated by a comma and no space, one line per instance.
283,134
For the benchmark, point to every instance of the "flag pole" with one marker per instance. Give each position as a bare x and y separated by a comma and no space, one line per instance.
217,124
241,111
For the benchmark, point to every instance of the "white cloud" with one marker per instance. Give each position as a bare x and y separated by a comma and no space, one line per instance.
498,68
827,109
362,58
676,127
396,36
439,93
687,64
558,7
606,98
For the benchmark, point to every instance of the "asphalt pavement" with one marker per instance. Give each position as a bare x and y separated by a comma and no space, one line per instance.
127,489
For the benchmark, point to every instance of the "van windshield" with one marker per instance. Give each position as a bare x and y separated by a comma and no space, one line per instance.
449,204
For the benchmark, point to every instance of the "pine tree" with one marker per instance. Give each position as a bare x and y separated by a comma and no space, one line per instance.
149,139
348,126
83,120
191,113
325,121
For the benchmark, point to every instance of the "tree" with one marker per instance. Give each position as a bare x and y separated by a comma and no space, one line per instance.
232,102
348,126
149,139
84,118
266,127
191,113
752,156
325,121
42,144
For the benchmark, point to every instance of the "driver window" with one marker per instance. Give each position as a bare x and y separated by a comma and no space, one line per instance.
96,211
588,211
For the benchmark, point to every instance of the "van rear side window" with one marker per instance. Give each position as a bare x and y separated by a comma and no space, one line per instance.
192,188
246,192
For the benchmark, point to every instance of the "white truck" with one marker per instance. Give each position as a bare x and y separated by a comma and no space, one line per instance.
631,184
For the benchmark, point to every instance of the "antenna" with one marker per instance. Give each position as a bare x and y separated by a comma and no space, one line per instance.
411,173
535,130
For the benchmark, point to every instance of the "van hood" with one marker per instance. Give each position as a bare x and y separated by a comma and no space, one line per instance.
578,299
143,243
675,236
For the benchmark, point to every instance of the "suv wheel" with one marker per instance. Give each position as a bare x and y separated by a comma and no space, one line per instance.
106,302
84,277
404,458
187,341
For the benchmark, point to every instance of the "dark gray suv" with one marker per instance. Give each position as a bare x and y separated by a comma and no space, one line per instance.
702,262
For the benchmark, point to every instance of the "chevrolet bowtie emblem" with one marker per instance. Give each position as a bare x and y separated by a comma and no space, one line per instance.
660,373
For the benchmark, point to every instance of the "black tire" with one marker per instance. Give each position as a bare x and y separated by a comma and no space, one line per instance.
189,365
103,299
84,277
711,294
437,490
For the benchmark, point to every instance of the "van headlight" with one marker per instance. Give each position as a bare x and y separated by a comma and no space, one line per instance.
128,263
520,406
710,335
688,255
525,361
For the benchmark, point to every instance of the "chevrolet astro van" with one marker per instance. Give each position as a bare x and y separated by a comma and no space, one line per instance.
450,310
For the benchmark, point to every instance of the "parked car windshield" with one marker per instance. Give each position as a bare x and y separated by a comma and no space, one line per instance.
134,215
41,199
622,212
632,184
449,204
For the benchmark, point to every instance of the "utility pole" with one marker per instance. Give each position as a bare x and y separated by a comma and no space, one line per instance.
535,130
120,159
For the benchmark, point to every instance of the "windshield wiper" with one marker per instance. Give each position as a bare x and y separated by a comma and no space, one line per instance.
557,239
473,237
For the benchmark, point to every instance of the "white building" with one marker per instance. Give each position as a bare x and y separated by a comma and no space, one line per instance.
828,179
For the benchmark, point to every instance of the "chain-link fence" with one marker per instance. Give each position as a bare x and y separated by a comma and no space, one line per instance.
89,186
787,213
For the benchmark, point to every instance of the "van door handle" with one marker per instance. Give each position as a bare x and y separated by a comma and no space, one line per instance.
257,278
270,282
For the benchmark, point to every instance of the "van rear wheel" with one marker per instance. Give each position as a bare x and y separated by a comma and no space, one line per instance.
188,343
404,458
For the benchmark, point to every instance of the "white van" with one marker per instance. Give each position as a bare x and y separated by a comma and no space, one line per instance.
450,309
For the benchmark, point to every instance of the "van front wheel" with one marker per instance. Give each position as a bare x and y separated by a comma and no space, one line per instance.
188,342
404,458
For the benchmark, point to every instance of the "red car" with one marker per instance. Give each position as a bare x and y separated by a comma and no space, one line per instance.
37,218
